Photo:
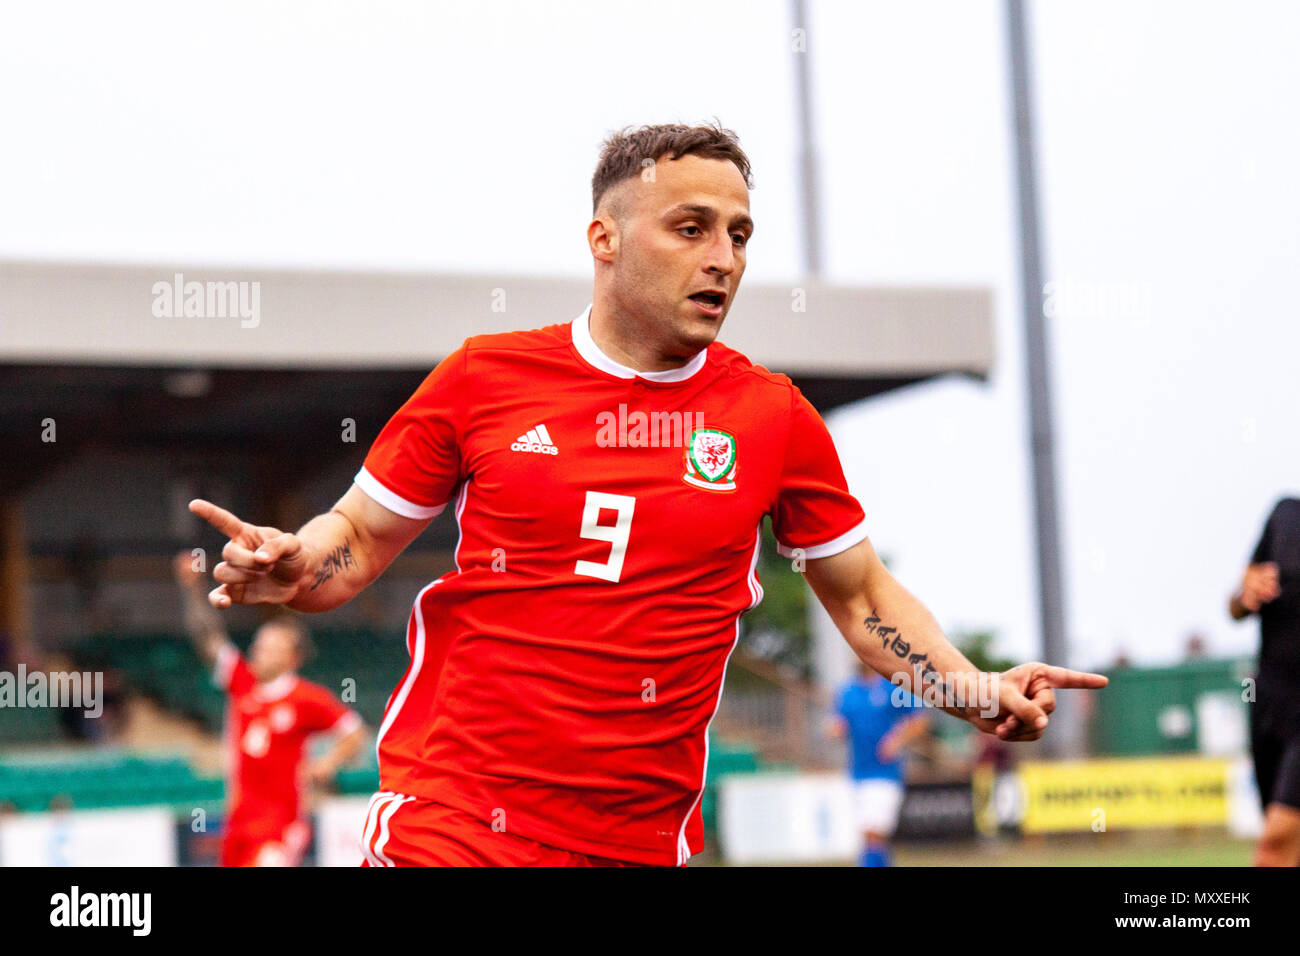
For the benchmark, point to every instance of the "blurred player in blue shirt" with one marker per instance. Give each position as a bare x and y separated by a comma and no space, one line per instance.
878,720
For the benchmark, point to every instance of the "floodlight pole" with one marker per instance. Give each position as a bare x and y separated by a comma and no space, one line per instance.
1065,735
812,250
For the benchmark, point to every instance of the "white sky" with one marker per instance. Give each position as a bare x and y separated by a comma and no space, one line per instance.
458,137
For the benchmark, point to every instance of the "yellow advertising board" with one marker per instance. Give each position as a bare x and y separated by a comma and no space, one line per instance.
1136,792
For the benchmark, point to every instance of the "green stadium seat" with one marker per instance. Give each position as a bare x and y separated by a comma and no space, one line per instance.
104,779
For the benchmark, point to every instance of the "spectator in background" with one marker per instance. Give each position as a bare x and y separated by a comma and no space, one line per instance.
878,726
107,728
1270,587
997,755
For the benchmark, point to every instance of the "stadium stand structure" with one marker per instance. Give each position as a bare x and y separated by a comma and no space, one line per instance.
29,725
362,664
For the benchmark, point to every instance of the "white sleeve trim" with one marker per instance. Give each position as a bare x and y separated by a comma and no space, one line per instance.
394,502
845,541
345,724
224,666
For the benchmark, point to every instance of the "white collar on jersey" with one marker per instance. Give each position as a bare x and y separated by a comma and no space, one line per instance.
278,688
590,351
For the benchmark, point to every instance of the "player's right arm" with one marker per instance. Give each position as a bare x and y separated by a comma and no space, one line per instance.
1259,582
204,624
408,477
1259,585
325,564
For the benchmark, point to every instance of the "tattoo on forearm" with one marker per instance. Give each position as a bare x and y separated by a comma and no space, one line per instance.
924,673
339,559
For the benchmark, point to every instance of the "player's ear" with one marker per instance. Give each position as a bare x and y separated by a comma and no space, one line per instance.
602,237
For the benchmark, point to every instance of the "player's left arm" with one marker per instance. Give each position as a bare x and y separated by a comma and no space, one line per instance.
895,634
344,748
902,736
323,713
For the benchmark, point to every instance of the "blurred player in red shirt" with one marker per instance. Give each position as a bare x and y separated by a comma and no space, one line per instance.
609,474
271,715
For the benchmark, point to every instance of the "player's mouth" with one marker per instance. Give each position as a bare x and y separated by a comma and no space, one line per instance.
710,302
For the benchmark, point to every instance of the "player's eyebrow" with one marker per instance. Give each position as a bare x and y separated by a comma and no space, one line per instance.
710,214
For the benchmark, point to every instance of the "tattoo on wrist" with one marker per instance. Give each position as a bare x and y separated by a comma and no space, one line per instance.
340,559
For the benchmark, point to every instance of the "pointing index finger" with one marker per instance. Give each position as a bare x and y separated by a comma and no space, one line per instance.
1064,677
219,518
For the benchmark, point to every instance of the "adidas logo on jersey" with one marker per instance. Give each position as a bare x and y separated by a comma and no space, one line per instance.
536,440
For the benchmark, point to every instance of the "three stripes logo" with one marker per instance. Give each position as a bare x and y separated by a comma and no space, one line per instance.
536,440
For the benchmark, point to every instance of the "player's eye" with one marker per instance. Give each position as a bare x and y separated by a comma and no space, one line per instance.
683,228
740,237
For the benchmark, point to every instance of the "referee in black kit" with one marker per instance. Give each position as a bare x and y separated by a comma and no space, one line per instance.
1271,587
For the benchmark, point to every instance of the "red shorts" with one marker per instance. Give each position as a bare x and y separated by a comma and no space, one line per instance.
240,848
413,831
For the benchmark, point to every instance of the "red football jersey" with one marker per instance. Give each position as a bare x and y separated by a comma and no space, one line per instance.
563,677
267,726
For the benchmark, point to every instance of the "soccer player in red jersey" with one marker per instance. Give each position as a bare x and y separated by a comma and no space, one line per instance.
272,713
609,476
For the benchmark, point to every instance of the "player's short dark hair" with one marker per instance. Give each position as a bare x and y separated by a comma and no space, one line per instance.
302,641
625,152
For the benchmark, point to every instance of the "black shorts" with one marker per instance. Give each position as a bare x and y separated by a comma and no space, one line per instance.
1277,766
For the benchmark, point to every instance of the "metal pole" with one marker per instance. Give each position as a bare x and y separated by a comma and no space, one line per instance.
1065,735
807,146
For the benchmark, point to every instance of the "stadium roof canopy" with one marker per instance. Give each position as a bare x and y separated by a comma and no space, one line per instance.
86,345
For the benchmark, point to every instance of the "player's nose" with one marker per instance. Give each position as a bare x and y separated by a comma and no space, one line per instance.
721,257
